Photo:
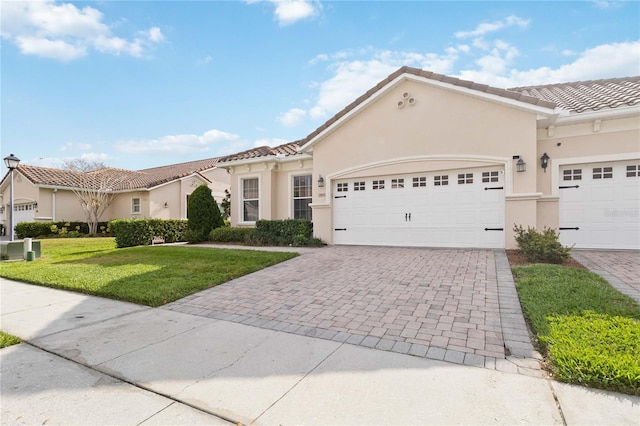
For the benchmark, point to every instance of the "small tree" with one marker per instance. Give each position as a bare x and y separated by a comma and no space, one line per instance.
95,192
203,215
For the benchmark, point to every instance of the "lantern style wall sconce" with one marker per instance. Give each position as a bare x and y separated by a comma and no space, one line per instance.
544,162
320,181
166,205
521,166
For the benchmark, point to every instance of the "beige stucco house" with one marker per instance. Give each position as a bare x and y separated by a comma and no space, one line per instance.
423,159
45,194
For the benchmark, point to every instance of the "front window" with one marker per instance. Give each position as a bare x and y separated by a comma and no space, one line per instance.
250,200
302,197
135,205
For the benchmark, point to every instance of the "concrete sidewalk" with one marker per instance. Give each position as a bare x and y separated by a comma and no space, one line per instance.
89,360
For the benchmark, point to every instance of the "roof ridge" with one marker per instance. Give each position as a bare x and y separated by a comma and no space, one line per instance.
581,82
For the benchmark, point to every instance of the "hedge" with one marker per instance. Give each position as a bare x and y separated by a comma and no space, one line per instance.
140,232
61,229
288,232
227,234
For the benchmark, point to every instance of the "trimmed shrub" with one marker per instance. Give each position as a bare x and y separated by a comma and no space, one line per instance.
140,232
541,247
596,350
289,232
226,234
203,215
56,229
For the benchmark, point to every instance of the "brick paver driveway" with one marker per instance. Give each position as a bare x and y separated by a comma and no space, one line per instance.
436,303
621,268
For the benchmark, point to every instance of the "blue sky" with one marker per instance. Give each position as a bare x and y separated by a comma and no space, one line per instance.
139,84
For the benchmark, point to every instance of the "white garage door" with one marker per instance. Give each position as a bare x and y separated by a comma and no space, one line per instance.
459,208
600,205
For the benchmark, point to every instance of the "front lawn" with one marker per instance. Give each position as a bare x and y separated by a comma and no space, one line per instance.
589,331
149,275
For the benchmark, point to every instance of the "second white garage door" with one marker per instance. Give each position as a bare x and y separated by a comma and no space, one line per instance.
600,205
458,208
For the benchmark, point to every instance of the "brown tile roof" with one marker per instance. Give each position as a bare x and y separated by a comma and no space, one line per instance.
287,149
117,179
590,95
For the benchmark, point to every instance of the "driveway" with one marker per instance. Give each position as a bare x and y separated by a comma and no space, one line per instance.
435,303
621,268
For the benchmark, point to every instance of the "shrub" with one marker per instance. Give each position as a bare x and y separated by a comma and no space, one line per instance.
140,232
56,229
541,247
227,234
596,350
289,232
203,215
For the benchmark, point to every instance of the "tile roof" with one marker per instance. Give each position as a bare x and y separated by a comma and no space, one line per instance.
287,149
590,95
117,179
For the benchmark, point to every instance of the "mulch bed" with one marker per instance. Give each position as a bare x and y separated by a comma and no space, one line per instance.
516,258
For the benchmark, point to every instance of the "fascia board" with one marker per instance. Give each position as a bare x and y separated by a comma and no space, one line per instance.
265,159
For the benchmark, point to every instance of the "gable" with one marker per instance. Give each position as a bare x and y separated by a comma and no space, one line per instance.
427,79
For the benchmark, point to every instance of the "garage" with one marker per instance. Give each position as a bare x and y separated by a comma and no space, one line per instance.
453,208
600,205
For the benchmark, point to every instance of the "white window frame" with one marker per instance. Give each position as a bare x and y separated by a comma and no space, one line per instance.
133,205
242,200
293,198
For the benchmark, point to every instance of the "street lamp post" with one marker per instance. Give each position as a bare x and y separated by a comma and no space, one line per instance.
11,162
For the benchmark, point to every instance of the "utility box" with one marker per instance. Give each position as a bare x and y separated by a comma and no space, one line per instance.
14,250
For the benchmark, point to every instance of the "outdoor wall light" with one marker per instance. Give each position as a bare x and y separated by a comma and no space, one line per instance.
544,162
166,205
320,181
11,162
521,166
35,205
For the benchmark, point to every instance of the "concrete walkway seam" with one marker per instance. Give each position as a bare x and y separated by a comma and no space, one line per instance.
137,385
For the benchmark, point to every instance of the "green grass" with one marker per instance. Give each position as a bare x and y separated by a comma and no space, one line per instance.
146,275
590,331
7,340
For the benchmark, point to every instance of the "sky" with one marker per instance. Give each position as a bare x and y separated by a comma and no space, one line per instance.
141,84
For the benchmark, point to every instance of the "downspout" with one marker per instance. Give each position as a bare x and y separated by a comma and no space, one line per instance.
53,204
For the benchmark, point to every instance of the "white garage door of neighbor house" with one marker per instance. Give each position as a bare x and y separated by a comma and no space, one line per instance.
600,205
456,208
23,213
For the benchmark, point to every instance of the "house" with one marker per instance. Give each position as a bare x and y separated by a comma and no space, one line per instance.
45,194
423,159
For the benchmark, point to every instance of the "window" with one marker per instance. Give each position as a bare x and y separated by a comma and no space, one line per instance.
378,184
441,180
464,178
575,174
633,171
135,205
302,197
358,186
489,177
603,172
343,187
250,200
397,183
419,182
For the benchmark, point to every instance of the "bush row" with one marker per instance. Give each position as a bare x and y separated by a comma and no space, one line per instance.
56,229
140,232
289,232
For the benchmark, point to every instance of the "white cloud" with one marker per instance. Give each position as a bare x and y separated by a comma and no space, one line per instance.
491,27
600,4
352,79
291,11
71,146
206,60
177,144
272,142
604,61
293,117
65,32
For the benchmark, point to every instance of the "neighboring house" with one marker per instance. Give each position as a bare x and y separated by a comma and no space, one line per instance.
45,194
423,159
